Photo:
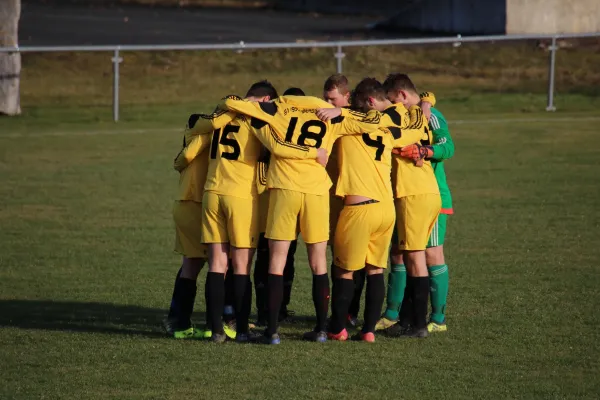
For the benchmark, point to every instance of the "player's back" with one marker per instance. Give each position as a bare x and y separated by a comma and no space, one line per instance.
365,164
233,156
409,179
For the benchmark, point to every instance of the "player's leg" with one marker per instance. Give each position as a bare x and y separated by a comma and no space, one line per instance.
418,289
359,278
187,216
261,266
214,233
288,279
242,229
341,297
373,302
395,288
261,275
315,210
215,288
228,310
382,216
419,214
438,275
242,289
284,206
351,242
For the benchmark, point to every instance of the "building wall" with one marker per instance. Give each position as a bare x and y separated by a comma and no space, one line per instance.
470,16
553,16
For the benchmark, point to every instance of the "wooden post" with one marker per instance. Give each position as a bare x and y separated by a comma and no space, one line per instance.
10,63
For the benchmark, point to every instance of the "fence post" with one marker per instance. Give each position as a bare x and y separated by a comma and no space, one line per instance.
116,61
338,56
553,48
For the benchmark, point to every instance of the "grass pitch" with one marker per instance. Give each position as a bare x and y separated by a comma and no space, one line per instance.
87,270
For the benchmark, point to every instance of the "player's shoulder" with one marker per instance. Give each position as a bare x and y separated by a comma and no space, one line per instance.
303,102
437,119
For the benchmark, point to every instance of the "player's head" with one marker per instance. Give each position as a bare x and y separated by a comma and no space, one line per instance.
294,91
261,91
400,89
369,95
336,91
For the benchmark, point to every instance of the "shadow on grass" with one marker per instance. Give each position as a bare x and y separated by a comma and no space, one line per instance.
100,317
83,317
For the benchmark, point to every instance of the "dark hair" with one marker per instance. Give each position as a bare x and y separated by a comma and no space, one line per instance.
368,87
261,89
397,82
294,91
336,81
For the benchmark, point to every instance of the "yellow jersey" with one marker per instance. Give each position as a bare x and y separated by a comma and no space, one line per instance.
293,119
234,154
407,178
192,175
365,164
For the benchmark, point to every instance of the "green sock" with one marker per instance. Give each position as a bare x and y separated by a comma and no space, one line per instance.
395,292
438,284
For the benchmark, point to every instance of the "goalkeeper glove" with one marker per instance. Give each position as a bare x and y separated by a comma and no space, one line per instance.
416,152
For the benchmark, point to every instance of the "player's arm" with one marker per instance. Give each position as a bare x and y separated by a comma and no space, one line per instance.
279,147
263,111
304,101
201,123
427,101
443,145
191,150
411,127
352,122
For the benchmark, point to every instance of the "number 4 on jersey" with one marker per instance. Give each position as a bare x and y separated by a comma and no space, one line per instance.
222,139
375,143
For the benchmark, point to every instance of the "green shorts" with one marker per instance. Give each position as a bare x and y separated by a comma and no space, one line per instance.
438,232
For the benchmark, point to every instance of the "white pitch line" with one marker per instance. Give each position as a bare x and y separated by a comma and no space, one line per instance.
179,130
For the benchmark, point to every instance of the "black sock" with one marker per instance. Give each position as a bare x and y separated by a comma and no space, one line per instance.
320,293
186,294
215,295
229,293
420,299
261,274
173,306
341,297
405,317
359,283
275,296
373,301
288,274
242,294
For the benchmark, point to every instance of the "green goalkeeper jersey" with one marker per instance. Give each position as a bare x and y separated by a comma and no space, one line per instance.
443,149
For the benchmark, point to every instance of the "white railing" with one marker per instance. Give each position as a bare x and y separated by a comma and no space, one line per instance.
338,45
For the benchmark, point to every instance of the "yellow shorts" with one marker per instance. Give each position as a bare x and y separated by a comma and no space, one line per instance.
336,204
188,229
415,217
263,211
229,219
289,210
363,235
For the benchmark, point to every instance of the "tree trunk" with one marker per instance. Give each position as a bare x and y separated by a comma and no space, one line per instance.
10,63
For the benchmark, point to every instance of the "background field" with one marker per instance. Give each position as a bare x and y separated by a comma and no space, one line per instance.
86,235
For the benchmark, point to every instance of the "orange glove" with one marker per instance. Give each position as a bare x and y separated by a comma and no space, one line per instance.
416,152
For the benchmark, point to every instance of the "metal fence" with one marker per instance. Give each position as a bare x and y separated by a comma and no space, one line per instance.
338,45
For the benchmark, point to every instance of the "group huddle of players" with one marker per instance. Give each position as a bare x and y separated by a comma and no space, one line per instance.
360,170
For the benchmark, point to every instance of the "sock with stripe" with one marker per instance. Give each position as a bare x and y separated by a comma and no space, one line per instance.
395,293
438,286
